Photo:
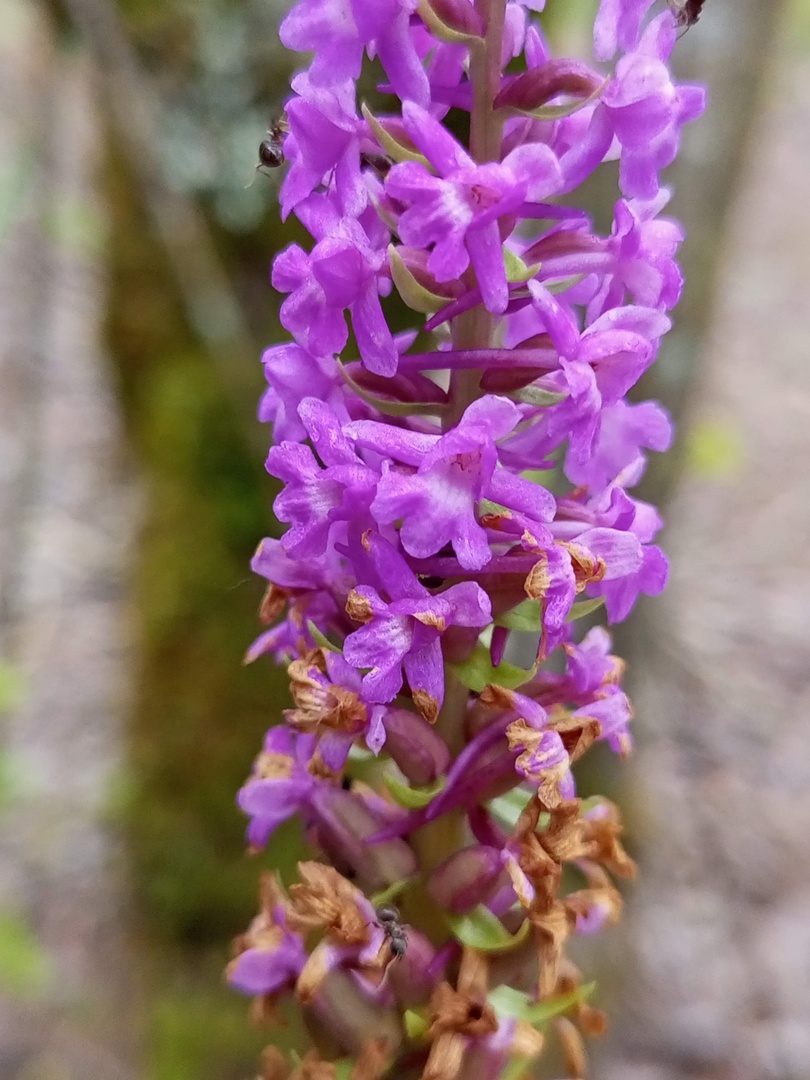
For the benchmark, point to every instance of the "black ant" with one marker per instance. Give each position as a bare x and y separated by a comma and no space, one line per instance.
271,149
686,12
391,926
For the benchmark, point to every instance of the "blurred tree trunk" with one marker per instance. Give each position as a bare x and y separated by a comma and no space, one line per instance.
715,952
733,51
68,524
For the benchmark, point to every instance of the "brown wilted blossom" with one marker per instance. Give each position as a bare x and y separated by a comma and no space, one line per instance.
456,1015
325,900
320,704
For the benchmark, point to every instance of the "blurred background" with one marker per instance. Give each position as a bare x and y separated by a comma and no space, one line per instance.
134,306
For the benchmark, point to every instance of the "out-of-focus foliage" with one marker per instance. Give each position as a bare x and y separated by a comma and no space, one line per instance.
221,76
25,972
199,714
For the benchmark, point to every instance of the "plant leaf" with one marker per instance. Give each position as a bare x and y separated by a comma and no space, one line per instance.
385,896
414,798
508,807
564,284
545,1010
480,929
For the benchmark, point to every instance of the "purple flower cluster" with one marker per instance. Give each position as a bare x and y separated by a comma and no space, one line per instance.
423,548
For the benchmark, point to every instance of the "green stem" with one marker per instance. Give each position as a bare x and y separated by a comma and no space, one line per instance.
473,330
485,72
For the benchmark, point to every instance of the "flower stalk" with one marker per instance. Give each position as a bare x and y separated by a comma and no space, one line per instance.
430,759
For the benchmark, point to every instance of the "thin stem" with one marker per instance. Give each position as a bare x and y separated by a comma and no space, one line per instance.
474,329
440,839
485,73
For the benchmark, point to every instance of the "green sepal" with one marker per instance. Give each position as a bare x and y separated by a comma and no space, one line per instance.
508,807
361,754
321,640
481,930
516,1068
386,407
343,1069
526,616
545,1010
415,296
478,671
564,284
416,1025
517,272
414,798
536,395
513,1004
585,607
487,506
390,145
559,112
385,896
440,30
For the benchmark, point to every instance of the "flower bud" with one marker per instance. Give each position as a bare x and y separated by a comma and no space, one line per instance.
415,284
343,1011
467,878
420,753
540,85
344,824
459,15
452,21
412,976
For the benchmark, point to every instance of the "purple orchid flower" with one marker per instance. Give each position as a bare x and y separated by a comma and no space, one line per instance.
617,450
308,589
458,211
325,136
273,959
441,479
618,26
281,784
340,272
404,631
292,374
647,110
338,31
314,497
